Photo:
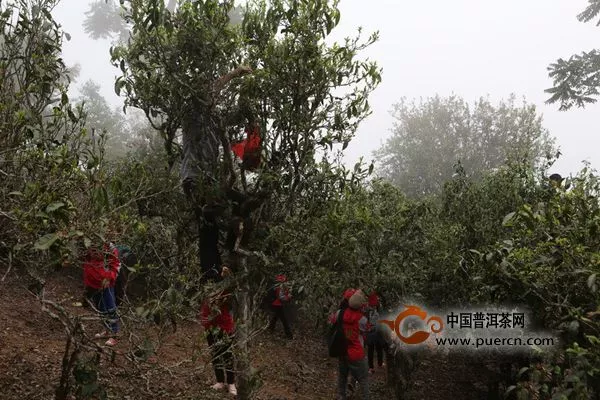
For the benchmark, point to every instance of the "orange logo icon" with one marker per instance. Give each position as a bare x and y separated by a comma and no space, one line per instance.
419,336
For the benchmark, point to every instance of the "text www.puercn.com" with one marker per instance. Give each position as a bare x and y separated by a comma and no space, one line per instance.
481,342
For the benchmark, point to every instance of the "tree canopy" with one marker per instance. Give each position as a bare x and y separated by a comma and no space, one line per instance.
101,120
576,80
431,137
174,59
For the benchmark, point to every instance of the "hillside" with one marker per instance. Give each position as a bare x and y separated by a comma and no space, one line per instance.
32,346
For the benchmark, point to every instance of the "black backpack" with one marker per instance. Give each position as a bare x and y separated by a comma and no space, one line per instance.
271,295
338,344
269,298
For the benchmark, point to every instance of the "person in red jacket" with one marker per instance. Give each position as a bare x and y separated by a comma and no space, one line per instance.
248,150
100,270
355,326
216,318
280,296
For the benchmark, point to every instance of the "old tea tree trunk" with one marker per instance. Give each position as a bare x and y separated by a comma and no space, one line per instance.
243,334
240,258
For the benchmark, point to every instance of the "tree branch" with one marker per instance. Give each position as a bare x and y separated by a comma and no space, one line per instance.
224,80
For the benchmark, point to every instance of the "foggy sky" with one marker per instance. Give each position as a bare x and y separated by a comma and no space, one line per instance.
470,48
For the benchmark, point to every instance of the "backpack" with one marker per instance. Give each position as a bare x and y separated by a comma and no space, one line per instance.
338,343
128,259
124,251
268,298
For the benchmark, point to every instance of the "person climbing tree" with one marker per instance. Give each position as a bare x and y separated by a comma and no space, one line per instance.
553,187
210,255
280,296
249,149
240,226
201,138
556,180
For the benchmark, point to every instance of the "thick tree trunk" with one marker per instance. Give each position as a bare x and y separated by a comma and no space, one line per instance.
243,334
64,386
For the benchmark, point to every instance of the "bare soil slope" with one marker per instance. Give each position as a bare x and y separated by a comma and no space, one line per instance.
32,346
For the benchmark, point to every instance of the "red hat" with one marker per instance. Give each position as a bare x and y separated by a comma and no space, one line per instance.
281,278
373,299
348,293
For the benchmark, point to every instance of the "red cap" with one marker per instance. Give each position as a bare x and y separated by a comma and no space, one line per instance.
348,293
281,278
373,299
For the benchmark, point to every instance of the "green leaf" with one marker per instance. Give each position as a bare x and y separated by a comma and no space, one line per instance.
328,24
537,349
18,247
522,371
72,116
508,218
119,83
591,280
46,241
54,206
15,194
336,16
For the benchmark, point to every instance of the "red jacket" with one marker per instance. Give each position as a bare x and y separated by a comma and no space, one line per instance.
355,326
217,316
281,296
374,299
101,267
248,150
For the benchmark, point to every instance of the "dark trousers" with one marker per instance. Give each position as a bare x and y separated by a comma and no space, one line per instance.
222,356
358,370
278,312
208,232
104,301
371,348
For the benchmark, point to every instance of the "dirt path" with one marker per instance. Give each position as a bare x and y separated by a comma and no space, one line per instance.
448,377
32,346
